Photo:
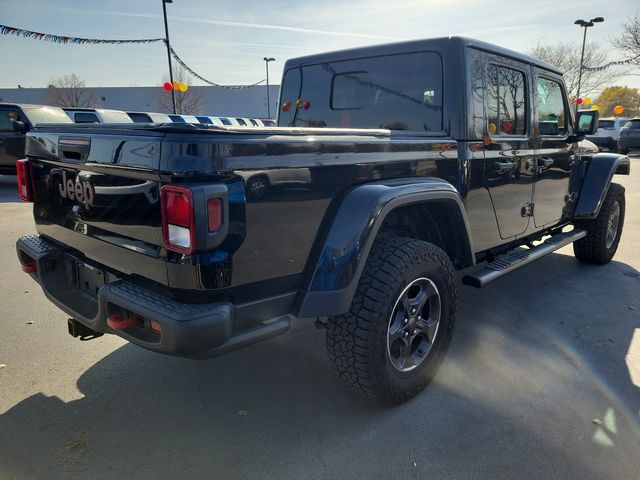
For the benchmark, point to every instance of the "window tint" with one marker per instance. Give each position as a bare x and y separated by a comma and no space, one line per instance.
225,121
605,124
176,119
253,122
204,120
507,101
552,112
397,92
7,117
86,117
241,122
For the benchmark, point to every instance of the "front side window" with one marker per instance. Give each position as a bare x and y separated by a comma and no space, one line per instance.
551,108
7,117
506,101
395,92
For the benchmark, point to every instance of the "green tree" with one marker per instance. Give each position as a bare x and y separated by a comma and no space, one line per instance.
628,97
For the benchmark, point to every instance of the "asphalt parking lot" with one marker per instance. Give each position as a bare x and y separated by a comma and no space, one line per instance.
542,381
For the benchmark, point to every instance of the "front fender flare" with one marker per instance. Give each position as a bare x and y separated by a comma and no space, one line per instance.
352,234
596,181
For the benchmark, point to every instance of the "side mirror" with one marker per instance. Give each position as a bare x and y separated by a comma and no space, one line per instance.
19,126
587,122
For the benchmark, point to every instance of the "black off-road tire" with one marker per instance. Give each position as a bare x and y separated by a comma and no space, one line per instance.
593,248
357,341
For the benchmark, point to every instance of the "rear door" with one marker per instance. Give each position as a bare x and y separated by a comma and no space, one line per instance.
554,156
509,151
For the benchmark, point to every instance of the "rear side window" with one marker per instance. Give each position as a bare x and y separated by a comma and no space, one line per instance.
507,108
551,108
633,125
253,122
225,121
176,119
86,117
606,124
204,120
396,92
241,122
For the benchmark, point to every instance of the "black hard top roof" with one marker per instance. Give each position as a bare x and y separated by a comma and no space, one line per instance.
418,45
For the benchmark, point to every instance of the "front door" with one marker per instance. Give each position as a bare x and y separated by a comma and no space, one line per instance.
509,152
554,158
11,142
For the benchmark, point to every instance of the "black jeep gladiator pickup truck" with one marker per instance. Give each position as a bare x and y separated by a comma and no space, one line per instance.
408,162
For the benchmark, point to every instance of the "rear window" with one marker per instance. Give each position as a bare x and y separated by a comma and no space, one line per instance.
86,117
140,117
606,124
396,92
114,116
46,115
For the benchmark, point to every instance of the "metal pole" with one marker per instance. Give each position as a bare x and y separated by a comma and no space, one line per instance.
166,32
584,40
266,61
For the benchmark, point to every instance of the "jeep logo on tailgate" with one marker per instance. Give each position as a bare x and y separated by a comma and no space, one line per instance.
81,192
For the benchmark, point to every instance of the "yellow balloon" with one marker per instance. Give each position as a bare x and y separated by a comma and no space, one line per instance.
618,109
492,128
595,107
183,87
587,101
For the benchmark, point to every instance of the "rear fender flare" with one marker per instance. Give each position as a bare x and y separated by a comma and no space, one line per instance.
353,231
595,184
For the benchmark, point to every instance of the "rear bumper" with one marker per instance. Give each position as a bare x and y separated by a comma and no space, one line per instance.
628,142
186,329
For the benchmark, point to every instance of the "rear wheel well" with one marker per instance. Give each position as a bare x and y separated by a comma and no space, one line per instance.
439,222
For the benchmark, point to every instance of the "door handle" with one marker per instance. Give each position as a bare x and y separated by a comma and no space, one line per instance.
498,165
545,162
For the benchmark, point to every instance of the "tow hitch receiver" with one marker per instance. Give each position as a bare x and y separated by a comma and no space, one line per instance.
77,329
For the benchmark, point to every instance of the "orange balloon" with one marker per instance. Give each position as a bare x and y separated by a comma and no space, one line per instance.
176,85
618,109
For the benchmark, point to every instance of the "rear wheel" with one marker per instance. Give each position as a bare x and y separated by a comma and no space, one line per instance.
603,232
390,344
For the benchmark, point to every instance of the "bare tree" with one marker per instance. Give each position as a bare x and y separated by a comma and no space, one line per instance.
70,91
629,40
566,56
187,103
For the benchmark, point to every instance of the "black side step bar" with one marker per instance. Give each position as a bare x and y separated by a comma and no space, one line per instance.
519,258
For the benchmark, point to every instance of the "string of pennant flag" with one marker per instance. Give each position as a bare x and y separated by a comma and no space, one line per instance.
49,37
610,64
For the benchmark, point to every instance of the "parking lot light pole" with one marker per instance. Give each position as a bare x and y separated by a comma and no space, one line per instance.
166,32
266,61
585,24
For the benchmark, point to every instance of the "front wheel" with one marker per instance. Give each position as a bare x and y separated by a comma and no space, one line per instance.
604,231
391,343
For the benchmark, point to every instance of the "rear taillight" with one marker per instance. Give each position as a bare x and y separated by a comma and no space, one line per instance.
178,219
25,180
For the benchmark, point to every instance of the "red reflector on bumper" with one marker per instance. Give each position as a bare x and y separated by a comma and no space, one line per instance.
30,268
117,322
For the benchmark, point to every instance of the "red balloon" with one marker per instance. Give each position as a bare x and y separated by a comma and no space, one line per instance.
167,86
306,104
580,101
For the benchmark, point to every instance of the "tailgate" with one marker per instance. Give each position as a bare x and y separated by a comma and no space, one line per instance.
99,194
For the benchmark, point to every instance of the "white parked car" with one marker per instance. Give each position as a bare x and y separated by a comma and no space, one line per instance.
97,115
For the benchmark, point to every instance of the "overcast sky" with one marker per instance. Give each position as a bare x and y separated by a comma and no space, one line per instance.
225,41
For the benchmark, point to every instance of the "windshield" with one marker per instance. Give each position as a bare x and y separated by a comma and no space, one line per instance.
46,115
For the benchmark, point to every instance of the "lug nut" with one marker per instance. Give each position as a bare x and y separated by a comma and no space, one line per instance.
413,311
406,320
406,334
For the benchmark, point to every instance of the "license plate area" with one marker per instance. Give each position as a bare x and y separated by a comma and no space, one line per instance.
83,276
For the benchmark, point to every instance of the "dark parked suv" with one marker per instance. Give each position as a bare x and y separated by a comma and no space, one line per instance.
629,136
